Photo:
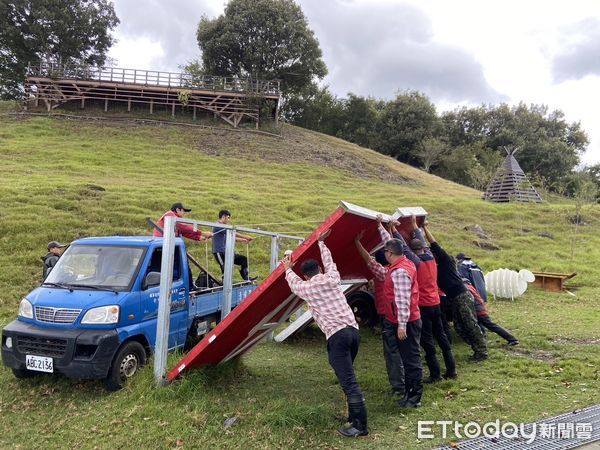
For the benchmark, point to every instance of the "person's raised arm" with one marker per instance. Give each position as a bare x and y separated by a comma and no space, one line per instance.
297,285
361,250
330,269
428,234
377,269
385,235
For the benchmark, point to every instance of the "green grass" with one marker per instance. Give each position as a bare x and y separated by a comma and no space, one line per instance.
284,395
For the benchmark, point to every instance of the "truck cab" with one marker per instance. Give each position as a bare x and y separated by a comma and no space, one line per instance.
95,315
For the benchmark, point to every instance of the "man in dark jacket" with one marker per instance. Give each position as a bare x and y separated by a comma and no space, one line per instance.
55,249
429,305
472,272
484,319
461,300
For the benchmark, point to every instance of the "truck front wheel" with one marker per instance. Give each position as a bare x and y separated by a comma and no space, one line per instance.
129,359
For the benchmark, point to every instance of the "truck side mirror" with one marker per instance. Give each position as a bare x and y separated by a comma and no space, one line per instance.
152,279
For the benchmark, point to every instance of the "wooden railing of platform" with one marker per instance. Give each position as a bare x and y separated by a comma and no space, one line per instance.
231,99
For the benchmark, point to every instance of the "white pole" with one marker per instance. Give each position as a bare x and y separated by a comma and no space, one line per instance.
164,302
274,252
228,273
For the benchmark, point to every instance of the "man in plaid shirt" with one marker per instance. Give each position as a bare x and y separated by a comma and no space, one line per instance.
323,293
402,317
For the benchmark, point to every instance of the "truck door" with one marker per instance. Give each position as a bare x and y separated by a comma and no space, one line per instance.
150,298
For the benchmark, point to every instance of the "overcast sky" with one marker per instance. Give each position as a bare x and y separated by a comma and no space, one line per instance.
459,52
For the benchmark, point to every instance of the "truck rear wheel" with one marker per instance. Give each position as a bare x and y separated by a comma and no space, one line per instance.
129,359
363,307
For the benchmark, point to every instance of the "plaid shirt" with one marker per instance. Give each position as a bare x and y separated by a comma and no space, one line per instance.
324,295
401,280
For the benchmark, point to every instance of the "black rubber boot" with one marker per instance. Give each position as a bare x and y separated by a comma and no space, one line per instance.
412,399
358,418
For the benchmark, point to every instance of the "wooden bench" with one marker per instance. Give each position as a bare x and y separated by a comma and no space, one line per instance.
550,281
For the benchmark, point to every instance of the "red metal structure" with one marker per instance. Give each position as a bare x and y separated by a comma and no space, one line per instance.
273,302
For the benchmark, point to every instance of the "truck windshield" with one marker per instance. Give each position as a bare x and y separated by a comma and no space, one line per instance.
97,266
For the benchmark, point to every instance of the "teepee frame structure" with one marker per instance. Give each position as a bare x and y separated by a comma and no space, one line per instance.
511,183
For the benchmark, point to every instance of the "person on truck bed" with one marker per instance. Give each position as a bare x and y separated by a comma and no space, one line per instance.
181,229
322,291
55,249
219,242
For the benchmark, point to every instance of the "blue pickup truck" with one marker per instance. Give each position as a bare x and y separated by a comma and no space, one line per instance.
94,316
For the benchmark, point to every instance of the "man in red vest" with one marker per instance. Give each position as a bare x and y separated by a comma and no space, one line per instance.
401,292
181,229
391,352
429,305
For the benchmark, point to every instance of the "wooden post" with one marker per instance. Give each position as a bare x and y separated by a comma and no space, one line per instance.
194,112
105,104
82,103
173,109
151,105
37,97
128,104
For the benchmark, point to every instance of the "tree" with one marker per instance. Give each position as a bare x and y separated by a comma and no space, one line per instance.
404,125
549,147
359,121
262,39
431,151
34,29
315,108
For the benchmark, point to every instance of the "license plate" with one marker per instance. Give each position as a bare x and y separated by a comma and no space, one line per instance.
39,363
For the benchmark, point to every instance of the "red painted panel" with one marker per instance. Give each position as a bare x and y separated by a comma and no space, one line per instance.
273,301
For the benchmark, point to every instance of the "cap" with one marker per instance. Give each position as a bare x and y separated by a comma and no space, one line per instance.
462,256
180,206
55,244
416,244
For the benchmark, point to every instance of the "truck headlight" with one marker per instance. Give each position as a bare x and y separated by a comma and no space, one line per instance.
25,309
101,315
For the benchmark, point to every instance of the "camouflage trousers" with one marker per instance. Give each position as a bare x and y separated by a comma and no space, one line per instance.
465,323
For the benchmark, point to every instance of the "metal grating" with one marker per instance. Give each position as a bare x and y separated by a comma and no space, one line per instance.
56,315
578,428
31,345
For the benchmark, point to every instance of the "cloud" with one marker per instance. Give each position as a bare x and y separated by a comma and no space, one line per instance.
579,58
381,49
171,23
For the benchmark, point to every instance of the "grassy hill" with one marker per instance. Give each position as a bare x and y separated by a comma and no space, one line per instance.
65,179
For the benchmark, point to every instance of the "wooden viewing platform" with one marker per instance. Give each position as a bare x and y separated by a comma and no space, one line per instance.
231,99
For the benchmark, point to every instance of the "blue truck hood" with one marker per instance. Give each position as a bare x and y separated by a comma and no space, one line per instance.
79,298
